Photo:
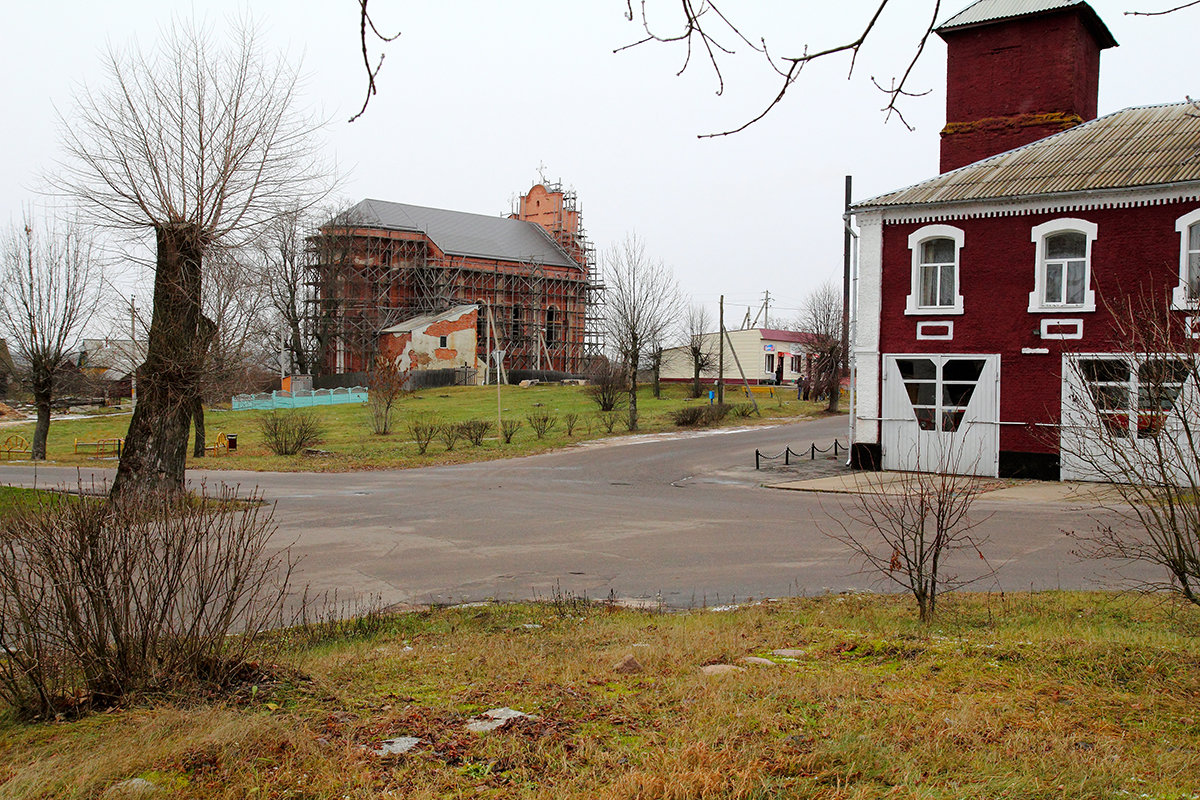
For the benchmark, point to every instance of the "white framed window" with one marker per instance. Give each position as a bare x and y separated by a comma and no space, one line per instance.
1187,294
1063,266
936,285
1133,396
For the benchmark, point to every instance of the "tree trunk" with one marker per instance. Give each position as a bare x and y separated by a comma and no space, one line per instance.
198,424
42,388
835,384
633,417
695,377
155,454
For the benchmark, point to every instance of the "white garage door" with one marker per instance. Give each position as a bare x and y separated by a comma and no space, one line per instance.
941,413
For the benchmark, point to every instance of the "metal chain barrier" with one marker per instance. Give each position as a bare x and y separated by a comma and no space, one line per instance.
788,453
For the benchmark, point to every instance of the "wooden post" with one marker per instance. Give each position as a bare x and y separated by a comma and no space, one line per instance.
741,372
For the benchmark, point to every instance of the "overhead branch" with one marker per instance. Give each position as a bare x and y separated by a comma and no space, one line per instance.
365,24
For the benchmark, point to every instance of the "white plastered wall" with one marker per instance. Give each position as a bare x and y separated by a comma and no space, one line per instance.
866,328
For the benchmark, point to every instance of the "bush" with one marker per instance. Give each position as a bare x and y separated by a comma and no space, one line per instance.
607,385
690,416
476,430
102,601
422,432
742,410
570,421
542,423
509,428
450,433
289,431
386,385
609,419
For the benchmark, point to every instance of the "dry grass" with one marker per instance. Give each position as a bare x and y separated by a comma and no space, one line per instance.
1049,695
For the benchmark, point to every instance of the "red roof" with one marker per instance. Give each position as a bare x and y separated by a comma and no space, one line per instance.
779,335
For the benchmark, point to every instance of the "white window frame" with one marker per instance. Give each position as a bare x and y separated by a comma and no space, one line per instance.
1179,295
1039,234
915,240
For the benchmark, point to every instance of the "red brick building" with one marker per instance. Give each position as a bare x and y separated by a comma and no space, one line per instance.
531,274
984,295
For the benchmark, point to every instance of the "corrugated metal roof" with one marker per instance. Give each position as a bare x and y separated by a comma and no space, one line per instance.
987,11
1137,147
462,234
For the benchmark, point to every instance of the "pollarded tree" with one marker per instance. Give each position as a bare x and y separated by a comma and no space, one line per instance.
641,306
821,319
52,283
201,143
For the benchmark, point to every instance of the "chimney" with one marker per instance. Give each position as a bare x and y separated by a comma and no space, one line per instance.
1018,71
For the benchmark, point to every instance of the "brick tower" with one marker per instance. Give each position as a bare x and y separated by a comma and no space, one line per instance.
1018,71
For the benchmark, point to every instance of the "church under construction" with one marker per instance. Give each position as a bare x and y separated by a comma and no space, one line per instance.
532,275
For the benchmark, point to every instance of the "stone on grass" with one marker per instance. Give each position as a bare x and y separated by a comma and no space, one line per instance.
492,719
720,669
788,653
398,746
132,789
627,665
761,662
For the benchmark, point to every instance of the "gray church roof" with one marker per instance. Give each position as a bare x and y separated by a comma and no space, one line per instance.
463,234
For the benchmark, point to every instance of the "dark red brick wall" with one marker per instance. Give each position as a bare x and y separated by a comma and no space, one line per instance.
1136,251
1015,82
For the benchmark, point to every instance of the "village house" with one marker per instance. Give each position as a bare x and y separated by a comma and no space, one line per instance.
986,295
531,276
766,355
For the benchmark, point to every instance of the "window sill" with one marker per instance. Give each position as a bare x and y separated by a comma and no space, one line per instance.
1085,308
934,311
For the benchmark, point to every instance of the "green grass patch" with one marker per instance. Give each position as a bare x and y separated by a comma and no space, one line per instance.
1024,696
351,445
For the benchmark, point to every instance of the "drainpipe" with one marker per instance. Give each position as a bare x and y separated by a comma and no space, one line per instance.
852,282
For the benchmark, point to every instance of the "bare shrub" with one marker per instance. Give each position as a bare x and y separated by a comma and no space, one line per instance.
422,432
450,433
509,428
608,420
476,430
385,387
289,431
100,601
689,416
570,422
607,385
542,423
1132,418
904,528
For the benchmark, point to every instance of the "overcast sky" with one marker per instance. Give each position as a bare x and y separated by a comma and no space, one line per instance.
476,96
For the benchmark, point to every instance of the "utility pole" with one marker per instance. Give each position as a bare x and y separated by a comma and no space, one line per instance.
763,311
721,357
133,350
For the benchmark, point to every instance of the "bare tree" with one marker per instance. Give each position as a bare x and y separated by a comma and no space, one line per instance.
386,386
1131,418
903,527
821,318
51,278
642,303
701,345
202,144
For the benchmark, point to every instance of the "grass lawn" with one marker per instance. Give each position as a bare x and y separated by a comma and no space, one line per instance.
1021,696
352,445
12,498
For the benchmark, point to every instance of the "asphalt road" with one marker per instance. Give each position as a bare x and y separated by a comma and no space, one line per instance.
684,518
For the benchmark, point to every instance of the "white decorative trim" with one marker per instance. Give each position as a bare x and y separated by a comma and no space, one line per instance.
1035,351
948,324
1179,295
1038,235
912,305
1191,326
1064,203
1047,324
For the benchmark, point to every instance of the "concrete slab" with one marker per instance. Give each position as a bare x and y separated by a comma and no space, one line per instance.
1005,490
